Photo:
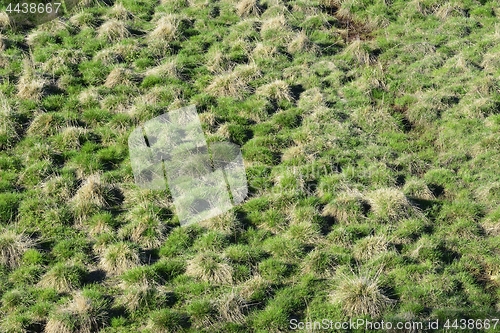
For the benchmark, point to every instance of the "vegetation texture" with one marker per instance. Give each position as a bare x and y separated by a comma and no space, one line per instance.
370,131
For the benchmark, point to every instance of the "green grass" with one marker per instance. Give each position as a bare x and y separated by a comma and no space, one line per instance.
369,132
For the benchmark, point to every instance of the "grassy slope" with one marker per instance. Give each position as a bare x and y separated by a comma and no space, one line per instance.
370,135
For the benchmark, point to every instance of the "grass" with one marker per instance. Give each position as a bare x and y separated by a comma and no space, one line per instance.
119,257
210,268
369,132
360,296
12,247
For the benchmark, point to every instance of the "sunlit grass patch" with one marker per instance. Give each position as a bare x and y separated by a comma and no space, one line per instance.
113,30
210,267
360,295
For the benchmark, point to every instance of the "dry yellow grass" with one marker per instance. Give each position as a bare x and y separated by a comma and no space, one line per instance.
119,12
247,8
301,43
234,84
278,90
358,50
232,308
12,247
118,76
118,258
30,84
113,30
4,20
209,267
369,247
168,68
7,123
166,29
360,295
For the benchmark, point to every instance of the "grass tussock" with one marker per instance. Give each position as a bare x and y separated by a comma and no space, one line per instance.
166,29
226,223
235,83
278,90
390,204
348,207
4,20
113,30
144,227
370,247
87,312
211,268
118,258
8,130
301,43
246,8
93,195
119,12
30,84
360,295
137,295
63,277
232,308
168,68
275,29
359,51
12,247
118,76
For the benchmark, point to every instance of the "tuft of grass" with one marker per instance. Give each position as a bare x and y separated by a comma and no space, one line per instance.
44,124
113,30
360,295
166,320
359,51
320,263
235,83
4,21
119,257
264,52
278,90
145,227
63,277
83,20
93,195
349,206
8,131
87,312
12,247
166,29
30,84
418,188
118,76
232,308
226,223
168,68
119,12
301,43
390,204
274,29
370,247
211,268
247,8
140,294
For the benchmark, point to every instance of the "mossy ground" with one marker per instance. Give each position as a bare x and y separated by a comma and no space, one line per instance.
370,134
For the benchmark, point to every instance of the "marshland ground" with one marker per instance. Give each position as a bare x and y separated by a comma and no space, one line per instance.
370,131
